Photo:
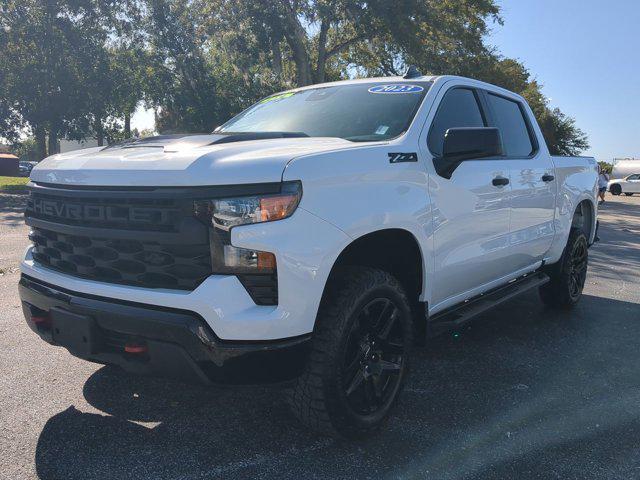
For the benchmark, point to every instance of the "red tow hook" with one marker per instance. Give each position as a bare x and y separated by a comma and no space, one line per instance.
41,320
135,348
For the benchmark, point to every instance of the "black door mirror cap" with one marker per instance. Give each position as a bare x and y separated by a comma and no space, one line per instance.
464,144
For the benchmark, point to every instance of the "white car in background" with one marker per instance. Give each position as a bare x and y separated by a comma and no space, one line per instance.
628,185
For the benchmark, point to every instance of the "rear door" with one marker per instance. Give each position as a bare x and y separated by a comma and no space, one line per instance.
533,183
470,210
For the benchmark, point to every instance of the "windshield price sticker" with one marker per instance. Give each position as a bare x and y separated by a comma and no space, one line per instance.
396,88
279,96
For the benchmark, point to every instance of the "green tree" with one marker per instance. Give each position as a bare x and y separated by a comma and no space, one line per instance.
606,167
11,122
319,36
180,80
116,83
55,62
562,135
75,68
130,67
26,149
36,58
196,78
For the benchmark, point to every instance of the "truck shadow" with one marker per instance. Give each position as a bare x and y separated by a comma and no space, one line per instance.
534,391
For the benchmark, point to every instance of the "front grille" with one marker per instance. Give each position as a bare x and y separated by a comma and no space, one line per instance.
133,237
131,262
140,236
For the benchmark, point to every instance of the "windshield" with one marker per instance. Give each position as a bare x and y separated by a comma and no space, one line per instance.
358,112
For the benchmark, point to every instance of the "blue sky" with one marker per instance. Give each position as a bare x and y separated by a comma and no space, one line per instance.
586,53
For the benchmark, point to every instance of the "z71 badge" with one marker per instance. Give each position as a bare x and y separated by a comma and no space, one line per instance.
403,157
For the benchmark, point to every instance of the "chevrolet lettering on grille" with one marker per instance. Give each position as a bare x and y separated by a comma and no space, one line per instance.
98,213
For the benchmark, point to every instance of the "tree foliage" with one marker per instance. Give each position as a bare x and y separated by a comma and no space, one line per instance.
199,78
606,167
55,61
562,135
78,68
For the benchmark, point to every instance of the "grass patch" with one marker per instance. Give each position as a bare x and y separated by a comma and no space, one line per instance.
13,184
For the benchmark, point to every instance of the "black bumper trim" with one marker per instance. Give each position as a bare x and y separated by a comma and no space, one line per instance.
180,343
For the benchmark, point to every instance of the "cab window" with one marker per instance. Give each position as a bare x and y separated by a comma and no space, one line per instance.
509,118
459,108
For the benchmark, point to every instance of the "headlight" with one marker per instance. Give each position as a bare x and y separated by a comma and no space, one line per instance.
222,214
231,212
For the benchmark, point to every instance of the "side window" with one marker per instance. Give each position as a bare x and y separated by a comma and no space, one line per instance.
634,177
513,127
459,108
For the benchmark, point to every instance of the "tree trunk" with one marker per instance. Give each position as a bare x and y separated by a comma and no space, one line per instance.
99,130
296,36
322,51
276,51
127,125
303,64
41,143
53,142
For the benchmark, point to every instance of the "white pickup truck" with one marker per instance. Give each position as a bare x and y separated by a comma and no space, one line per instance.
311,240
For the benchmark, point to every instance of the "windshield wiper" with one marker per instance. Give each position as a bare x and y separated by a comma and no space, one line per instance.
246,136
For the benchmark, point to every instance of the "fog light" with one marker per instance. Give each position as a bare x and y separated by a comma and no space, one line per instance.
244,260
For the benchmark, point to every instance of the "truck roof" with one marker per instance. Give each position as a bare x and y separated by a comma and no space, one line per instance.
401,79
423,78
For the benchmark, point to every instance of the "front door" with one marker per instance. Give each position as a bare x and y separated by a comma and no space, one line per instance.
471,210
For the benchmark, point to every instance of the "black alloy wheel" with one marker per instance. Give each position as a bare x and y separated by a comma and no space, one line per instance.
374,357
359,357
567,277
578,268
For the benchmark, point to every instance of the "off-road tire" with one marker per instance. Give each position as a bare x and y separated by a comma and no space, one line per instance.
560,291
318,398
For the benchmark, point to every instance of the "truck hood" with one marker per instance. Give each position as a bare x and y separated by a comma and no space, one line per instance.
182,161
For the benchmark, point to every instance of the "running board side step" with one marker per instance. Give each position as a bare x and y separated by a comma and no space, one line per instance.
458,315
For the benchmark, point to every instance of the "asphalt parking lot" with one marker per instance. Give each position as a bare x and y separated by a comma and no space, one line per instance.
525,392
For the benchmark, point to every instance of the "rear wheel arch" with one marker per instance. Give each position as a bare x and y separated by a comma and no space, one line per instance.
584,218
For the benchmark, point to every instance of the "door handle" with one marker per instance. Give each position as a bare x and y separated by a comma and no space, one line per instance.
500,181
548,177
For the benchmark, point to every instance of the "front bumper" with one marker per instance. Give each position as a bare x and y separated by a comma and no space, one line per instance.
152,340
305,247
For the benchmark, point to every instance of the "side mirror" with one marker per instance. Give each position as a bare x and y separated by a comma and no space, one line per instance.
463,144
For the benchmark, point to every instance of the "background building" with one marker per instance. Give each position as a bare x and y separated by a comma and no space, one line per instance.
8,164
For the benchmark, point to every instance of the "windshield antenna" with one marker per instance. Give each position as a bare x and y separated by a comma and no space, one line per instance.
412,72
